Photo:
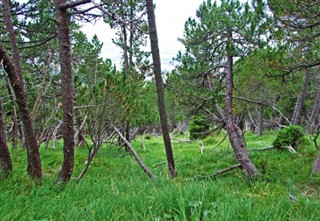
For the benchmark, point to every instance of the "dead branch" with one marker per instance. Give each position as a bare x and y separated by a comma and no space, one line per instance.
136,156
219,172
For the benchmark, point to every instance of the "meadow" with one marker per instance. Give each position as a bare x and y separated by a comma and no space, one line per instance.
115,187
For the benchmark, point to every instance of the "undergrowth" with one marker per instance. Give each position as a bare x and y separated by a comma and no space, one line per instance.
115,188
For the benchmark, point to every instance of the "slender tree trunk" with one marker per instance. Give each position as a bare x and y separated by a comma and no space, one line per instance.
159,85
235,134
315,111
67,91
300,104
33,155
5,159
15,126
260,121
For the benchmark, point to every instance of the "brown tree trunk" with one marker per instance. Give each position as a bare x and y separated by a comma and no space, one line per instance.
33,155
5,159
159,85
300,104
235,134
13,41
67,91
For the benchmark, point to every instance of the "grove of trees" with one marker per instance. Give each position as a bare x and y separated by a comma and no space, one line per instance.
247,66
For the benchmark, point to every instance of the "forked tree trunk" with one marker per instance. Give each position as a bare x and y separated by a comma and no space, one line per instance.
235,134
67,91
33,155
5,159
300,104
159,85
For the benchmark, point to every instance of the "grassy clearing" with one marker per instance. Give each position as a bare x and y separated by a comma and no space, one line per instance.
115,188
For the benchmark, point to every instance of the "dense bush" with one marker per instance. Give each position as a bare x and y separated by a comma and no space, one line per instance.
292,136
198,128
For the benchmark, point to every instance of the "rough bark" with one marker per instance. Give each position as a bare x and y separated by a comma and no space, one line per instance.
13,41
159,85
67,90
33,155
300,104
235,134
5,159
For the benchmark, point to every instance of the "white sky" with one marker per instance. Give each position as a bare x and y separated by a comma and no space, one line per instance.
170,17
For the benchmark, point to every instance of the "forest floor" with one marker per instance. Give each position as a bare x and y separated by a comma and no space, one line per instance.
115,187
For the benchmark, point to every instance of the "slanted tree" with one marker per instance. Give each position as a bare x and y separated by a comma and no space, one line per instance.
221,33
5,158
159,84
13,69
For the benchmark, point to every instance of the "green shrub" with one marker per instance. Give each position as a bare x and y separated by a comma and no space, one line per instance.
293,136
198,128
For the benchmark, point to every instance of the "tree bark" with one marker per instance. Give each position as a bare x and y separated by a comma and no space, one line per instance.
300,104
13,41
67,90
15,126
159,85
5,159
260,121
235,134
33,155
316,166
315,111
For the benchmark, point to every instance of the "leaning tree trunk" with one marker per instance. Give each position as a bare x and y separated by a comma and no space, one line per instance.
67,91
260,120
235,134
5,159
14,72
33,155
301,99
159,84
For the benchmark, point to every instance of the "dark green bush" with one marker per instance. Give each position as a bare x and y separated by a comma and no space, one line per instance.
198,128
292,136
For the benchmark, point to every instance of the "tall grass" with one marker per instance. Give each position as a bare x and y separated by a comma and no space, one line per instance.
115,188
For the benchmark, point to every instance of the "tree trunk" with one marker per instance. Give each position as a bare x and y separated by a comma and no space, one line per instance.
315,111
5,159
15,126
235,134
13,41
159,85
301,99
316,166
67,91
33,155
260,121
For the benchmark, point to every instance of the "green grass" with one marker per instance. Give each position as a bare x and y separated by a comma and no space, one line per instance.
115,188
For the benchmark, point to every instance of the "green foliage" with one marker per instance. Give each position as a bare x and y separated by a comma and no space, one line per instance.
198,128
290,136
